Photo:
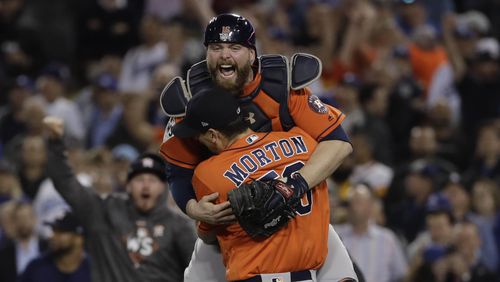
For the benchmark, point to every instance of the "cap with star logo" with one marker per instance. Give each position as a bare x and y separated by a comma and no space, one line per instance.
148,163
211,108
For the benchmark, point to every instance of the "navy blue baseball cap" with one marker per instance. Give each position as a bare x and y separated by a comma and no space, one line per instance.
21,81
150,163
67,223
408,2
401,52
106,81
57,71
125,152
433,252
211,108
438,203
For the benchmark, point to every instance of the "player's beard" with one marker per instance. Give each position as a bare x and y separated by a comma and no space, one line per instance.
235,85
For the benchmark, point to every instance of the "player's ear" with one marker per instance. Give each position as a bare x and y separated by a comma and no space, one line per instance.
252,56
213,135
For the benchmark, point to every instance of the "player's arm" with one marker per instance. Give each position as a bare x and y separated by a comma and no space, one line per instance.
325,159
179,180
206,233
84,202
322,122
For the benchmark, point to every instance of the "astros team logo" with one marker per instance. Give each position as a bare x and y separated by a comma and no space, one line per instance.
316,105
278,280
147,162
225,33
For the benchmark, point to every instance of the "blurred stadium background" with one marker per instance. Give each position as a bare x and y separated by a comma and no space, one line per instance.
419,81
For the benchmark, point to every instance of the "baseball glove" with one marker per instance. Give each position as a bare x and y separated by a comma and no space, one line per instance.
262,208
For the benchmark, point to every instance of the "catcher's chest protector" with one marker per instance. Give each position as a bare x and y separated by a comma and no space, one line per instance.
278,76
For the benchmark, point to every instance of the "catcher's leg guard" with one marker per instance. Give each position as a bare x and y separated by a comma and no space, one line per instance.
205,265
338,265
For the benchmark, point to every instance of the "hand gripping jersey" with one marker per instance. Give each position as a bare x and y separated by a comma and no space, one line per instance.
275,100
302,244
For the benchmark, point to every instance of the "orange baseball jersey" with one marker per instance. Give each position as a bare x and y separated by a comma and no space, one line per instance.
307,111
302,244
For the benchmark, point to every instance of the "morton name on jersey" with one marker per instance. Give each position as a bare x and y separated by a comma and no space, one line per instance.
258,158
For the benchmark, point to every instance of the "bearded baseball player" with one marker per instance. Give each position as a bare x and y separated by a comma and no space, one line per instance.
273,96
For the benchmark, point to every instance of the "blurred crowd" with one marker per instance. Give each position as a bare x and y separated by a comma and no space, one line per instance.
419,82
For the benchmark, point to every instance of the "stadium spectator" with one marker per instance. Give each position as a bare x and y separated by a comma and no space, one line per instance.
123,156
11,122
133,237
374,102
106,112
20,50
459,199
32,167
485,209
449,136
52,86
486,161
16,254
438,233
367,170
7,227
407,215
10,186
466,263
106,28
140,62
374,248
66,259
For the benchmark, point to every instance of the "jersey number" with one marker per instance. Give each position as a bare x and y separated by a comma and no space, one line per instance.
305,206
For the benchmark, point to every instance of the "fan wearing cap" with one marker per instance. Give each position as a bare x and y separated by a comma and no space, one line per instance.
214,118
51,84
66,259
146,182
476,69
131,237
105,113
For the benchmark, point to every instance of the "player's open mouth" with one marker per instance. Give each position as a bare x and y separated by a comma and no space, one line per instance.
145,196
226,71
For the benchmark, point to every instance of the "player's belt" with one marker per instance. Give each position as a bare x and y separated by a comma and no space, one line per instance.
294,276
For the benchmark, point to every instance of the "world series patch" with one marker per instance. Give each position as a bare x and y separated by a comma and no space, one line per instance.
168,130
316,105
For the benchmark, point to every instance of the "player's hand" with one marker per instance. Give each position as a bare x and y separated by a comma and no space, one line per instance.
54,127
206,211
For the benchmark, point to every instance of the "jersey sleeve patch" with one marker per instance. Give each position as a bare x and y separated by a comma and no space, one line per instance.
168,130
316,105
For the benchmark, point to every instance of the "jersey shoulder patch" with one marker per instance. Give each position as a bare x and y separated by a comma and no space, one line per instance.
316,105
